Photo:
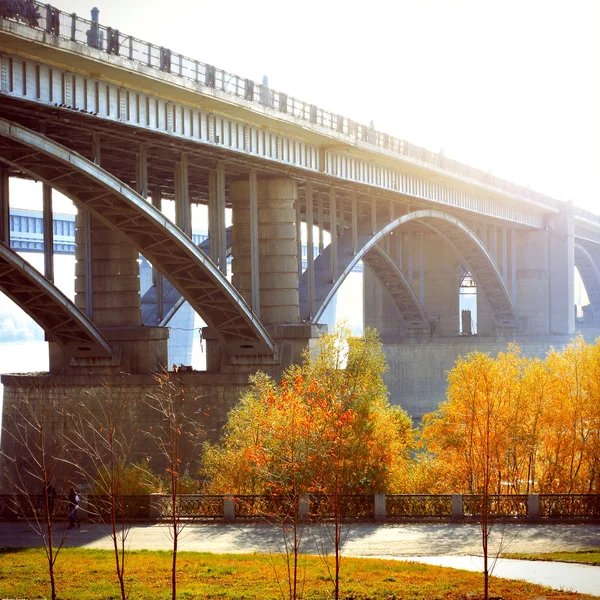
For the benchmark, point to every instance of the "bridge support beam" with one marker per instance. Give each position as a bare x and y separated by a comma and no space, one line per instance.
4,207
277,251
561,257
272,243
216,217
379,310
48,234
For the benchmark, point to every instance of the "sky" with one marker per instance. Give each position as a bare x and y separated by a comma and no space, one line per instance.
510,87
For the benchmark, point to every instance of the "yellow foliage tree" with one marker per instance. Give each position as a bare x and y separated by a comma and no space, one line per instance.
530,425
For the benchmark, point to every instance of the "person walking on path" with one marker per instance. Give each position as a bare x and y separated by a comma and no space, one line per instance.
73,506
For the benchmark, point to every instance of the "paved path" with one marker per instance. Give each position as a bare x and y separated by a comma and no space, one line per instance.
446,544
362,539
583,579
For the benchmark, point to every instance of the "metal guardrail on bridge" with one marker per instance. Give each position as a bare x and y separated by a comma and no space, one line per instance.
71,27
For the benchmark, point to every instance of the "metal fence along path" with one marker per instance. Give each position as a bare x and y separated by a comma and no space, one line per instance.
350,508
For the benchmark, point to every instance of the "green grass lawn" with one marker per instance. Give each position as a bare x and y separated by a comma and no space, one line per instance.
89,575
586,557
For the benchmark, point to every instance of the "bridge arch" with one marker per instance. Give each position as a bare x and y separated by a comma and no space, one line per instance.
172,298
590,275
182,263
471,250
61,320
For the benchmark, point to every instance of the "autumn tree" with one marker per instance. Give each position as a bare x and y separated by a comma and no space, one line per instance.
473,432
326,428
340,387
568,459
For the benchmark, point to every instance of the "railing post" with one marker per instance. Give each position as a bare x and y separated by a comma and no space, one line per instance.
533,507
73,27
155,508
380,508
304,507
229,508
457,507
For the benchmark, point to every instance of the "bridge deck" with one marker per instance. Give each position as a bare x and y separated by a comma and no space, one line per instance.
200,103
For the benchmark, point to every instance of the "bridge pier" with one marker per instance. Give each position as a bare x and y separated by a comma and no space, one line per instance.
561,258
276,256
109,272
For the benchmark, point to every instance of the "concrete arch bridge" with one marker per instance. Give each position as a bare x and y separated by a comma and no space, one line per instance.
121,126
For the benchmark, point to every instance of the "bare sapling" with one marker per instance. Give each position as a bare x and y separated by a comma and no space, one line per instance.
101,441
176,435
34,467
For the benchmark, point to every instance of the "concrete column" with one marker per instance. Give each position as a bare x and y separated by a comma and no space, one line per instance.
320,223
229,508
310,261
113,265
532,275
505,256
561,259
422,268
533,507
409,257
253,234
494,242
374,215
277,247
4,207
380,508
48,233
183,215
157,278
298,209
216,217
333,222
441,279
141,171
513,267
457,507
354,224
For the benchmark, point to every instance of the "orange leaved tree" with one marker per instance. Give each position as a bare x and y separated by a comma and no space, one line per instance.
326,428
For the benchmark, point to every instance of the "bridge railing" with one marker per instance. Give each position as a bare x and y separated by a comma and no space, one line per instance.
112,41
315,507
